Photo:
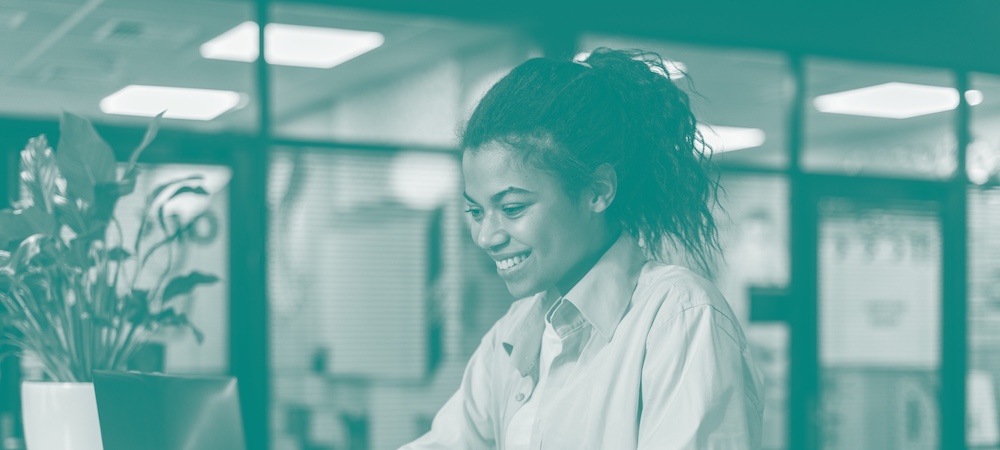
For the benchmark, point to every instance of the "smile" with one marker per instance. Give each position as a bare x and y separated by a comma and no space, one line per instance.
510,263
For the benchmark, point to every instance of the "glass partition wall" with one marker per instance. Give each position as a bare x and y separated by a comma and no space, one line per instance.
374,296
879,259
983,167
370,274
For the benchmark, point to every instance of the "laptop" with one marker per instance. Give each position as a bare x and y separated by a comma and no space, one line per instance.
168,412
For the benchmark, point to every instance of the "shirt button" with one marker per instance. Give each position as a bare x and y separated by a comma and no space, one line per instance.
519,397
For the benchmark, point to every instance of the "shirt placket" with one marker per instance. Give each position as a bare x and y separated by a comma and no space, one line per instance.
519,391
524,374
570,328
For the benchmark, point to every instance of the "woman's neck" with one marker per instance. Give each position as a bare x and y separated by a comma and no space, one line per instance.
610,236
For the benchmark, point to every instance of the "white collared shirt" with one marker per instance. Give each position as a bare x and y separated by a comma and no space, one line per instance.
651,358
520,428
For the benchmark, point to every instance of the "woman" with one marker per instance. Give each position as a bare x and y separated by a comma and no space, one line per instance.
576,175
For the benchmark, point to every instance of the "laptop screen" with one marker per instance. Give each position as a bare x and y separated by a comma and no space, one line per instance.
168,412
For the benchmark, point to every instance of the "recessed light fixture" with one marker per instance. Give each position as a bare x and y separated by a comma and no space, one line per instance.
727,139
292,45
676,69
178,103
894,100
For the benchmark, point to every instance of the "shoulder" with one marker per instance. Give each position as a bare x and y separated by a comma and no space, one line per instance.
673,288
671,292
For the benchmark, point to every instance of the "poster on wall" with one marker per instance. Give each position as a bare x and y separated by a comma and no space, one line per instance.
879,287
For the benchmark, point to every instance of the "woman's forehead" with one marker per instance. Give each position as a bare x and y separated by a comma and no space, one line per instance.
493,169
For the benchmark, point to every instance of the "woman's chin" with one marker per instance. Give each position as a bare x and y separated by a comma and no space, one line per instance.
521,290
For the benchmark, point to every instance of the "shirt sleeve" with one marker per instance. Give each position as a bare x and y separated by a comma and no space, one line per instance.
699,387
465,421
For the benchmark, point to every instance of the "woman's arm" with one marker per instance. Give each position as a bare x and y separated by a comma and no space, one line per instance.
699,388
465,421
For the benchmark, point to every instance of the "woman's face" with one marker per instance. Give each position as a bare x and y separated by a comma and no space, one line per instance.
539,235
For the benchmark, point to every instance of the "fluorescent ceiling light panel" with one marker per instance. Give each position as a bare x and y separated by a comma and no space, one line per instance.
676,69
894,100
974,97
292,45
179,103
237,44
727,139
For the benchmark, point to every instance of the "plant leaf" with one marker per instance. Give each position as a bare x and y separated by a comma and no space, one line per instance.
49,253
118,254
198,335
78,253
84,158
136,309
154,203
151,131
15,225
151,198
171,318
185,284
197,190
106,196
29,247
126,185
40,174
100,321
71,214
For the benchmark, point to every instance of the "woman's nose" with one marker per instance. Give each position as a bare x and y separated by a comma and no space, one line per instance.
491,233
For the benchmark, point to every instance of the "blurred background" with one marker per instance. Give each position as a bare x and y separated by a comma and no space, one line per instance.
858,145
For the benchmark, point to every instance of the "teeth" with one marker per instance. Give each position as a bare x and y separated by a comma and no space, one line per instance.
510,262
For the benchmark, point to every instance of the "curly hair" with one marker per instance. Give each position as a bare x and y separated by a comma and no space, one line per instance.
618,107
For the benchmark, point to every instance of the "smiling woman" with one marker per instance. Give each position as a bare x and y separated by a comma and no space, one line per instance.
538,234
579,178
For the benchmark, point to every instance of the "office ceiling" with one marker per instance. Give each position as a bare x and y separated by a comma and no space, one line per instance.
954,33
68,54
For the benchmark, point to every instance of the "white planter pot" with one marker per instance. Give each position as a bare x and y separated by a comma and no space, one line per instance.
60,416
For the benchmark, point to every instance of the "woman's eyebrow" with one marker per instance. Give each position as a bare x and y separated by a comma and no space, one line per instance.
496,198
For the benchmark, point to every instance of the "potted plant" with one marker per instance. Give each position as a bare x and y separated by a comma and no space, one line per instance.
68,282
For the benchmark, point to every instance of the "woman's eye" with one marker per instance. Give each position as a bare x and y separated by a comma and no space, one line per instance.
513,210
475,213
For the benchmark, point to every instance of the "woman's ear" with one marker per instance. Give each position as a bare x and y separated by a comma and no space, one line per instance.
604,187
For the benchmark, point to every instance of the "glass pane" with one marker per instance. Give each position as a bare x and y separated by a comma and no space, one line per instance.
983,159
743,96
365,294
405,80
754,237
982,392
879,294
879,120
79,56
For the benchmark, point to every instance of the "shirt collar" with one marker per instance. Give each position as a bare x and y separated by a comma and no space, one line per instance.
601,297
604,293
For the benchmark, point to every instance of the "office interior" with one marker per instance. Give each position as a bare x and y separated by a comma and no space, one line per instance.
858,146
